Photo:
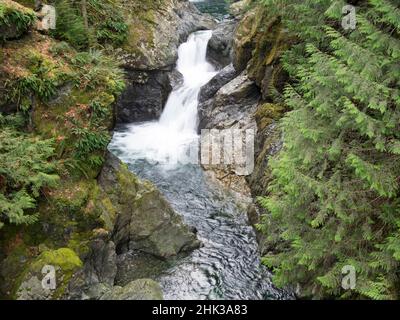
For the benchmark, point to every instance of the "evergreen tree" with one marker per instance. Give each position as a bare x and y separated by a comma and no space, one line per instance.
335,199
24,171
90,23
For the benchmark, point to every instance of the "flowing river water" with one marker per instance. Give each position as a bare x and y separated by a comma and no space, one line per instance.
227,266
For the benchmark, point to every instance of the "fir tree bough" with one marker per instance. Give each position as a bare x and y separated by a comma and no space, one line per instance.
24,170
335,198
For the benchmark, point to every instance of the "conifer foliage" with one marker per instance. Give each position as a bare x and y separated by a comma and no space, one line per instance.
335,198
24,171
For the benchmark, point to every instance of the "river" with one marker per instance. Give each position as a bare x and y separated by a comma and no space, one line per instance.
217,8
227,266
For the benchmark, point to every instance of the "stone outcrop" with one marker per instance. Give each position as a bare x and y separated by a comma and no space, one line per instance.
247,100
226,75
259,42
135,217
141,289
145,220
15,20
219,50
267,143
156,29
233,105
144,97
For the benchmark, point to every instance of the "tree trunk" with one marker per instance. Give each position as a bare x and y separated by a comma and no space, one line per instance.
84,15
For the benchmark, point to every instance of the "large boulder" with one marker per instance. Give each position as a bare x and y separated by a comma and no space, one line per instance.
259,41
219,50
15,20
232,106
156,29
145,220
141,289
144,97
226,75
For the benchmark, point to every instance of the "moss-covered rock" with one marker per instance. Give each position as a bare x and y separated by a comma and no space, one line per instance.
259,43
65,263
15,20
16,254
69,96
156,28
237,8
267,113
145,220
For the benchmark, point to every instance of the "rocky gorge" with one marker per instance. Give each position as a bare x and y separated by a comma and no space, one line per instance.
113,234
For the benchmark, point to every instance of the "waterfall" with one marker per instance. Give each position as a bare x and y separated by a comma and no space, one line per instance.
228,265
168,139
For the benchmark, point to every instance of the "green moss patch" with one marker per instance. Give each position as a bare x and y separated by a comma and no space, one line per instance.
15,19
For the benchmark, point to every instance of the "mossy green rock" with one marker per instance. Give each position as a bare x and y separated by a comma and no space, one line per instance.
141,289
267,144
156,28
15,20
259,42
64,261
144,219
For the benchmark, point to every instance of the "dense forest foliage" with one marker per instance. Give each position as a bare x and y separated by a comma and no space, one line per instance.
45,138
335,199
90,23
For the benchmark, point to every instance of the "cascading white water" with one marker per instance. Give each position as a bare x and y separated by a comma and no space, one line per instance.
227,266
168,139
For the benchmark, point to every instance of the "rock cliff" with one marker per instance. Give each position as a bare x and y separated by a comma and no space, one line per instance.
99,209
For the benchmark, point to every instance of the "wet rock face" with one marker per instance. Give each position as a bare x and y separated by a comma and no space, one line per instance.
259,42
139,265
226,75
98,273
156,29
100,264
219,50
232,106
145,220
144,97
